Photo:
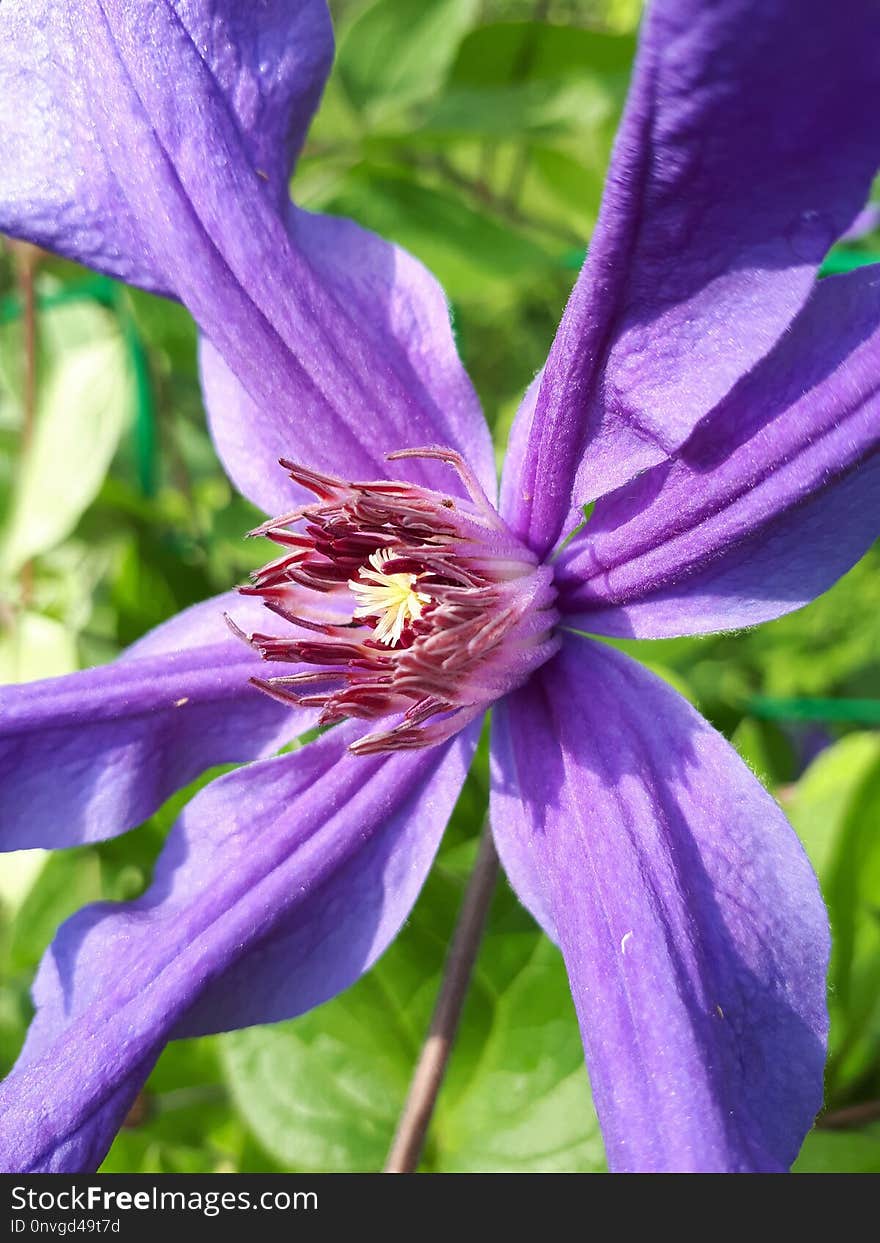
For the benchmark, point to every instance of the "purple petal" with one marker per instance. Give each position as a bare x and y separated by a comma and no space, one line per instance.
690,921
747,147
514,498
776,494
60,183
121,739
280,885
420,395
353,348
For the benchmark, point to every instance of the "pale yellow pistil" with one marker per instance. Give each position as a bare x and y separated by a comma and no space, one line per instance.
390,597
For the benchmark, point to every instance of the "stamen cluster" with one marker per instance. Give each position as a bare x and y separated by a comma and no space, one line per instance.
419,604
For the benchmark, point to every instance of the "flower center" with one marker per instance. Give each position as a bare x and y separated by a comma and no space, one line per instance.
389,600
407,603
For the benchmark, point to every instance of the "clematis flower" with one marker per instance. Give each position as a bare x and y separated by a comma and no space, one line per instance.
719,405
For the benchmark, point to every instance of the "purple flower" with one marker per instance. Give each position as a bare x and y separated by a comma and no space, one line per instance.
720,404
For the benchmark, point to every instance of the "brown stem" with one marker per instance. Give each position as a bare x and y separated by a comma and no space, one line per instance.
424,1087
851,1116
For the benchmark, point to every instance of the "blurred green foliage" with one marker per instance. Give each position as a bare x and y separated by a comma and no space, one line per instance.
481,145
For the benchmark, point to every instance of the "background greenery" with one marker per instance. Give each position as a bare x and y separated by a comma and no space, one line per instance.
477,135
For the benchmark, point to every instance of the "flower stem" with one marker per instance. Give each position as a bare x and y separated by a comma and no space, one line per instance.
850,1116
424,1088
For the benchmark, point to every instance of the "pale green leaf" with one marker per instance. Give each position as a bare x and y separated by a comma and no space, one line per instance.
85,398
820,802
34,646
836,809
19,870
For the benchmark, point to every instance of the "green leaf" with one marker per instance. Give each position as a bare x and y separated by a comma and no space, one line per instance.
828,650
324,1091
766,750
845,260
825,795
840,1152
533,110
464,248
68,880
85,398
504,52
180,1123
524,1103
400,50
572,185
622,15
836,809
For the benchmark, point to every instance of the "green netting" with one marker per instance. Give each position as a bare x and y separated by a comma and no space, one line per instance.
853,711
